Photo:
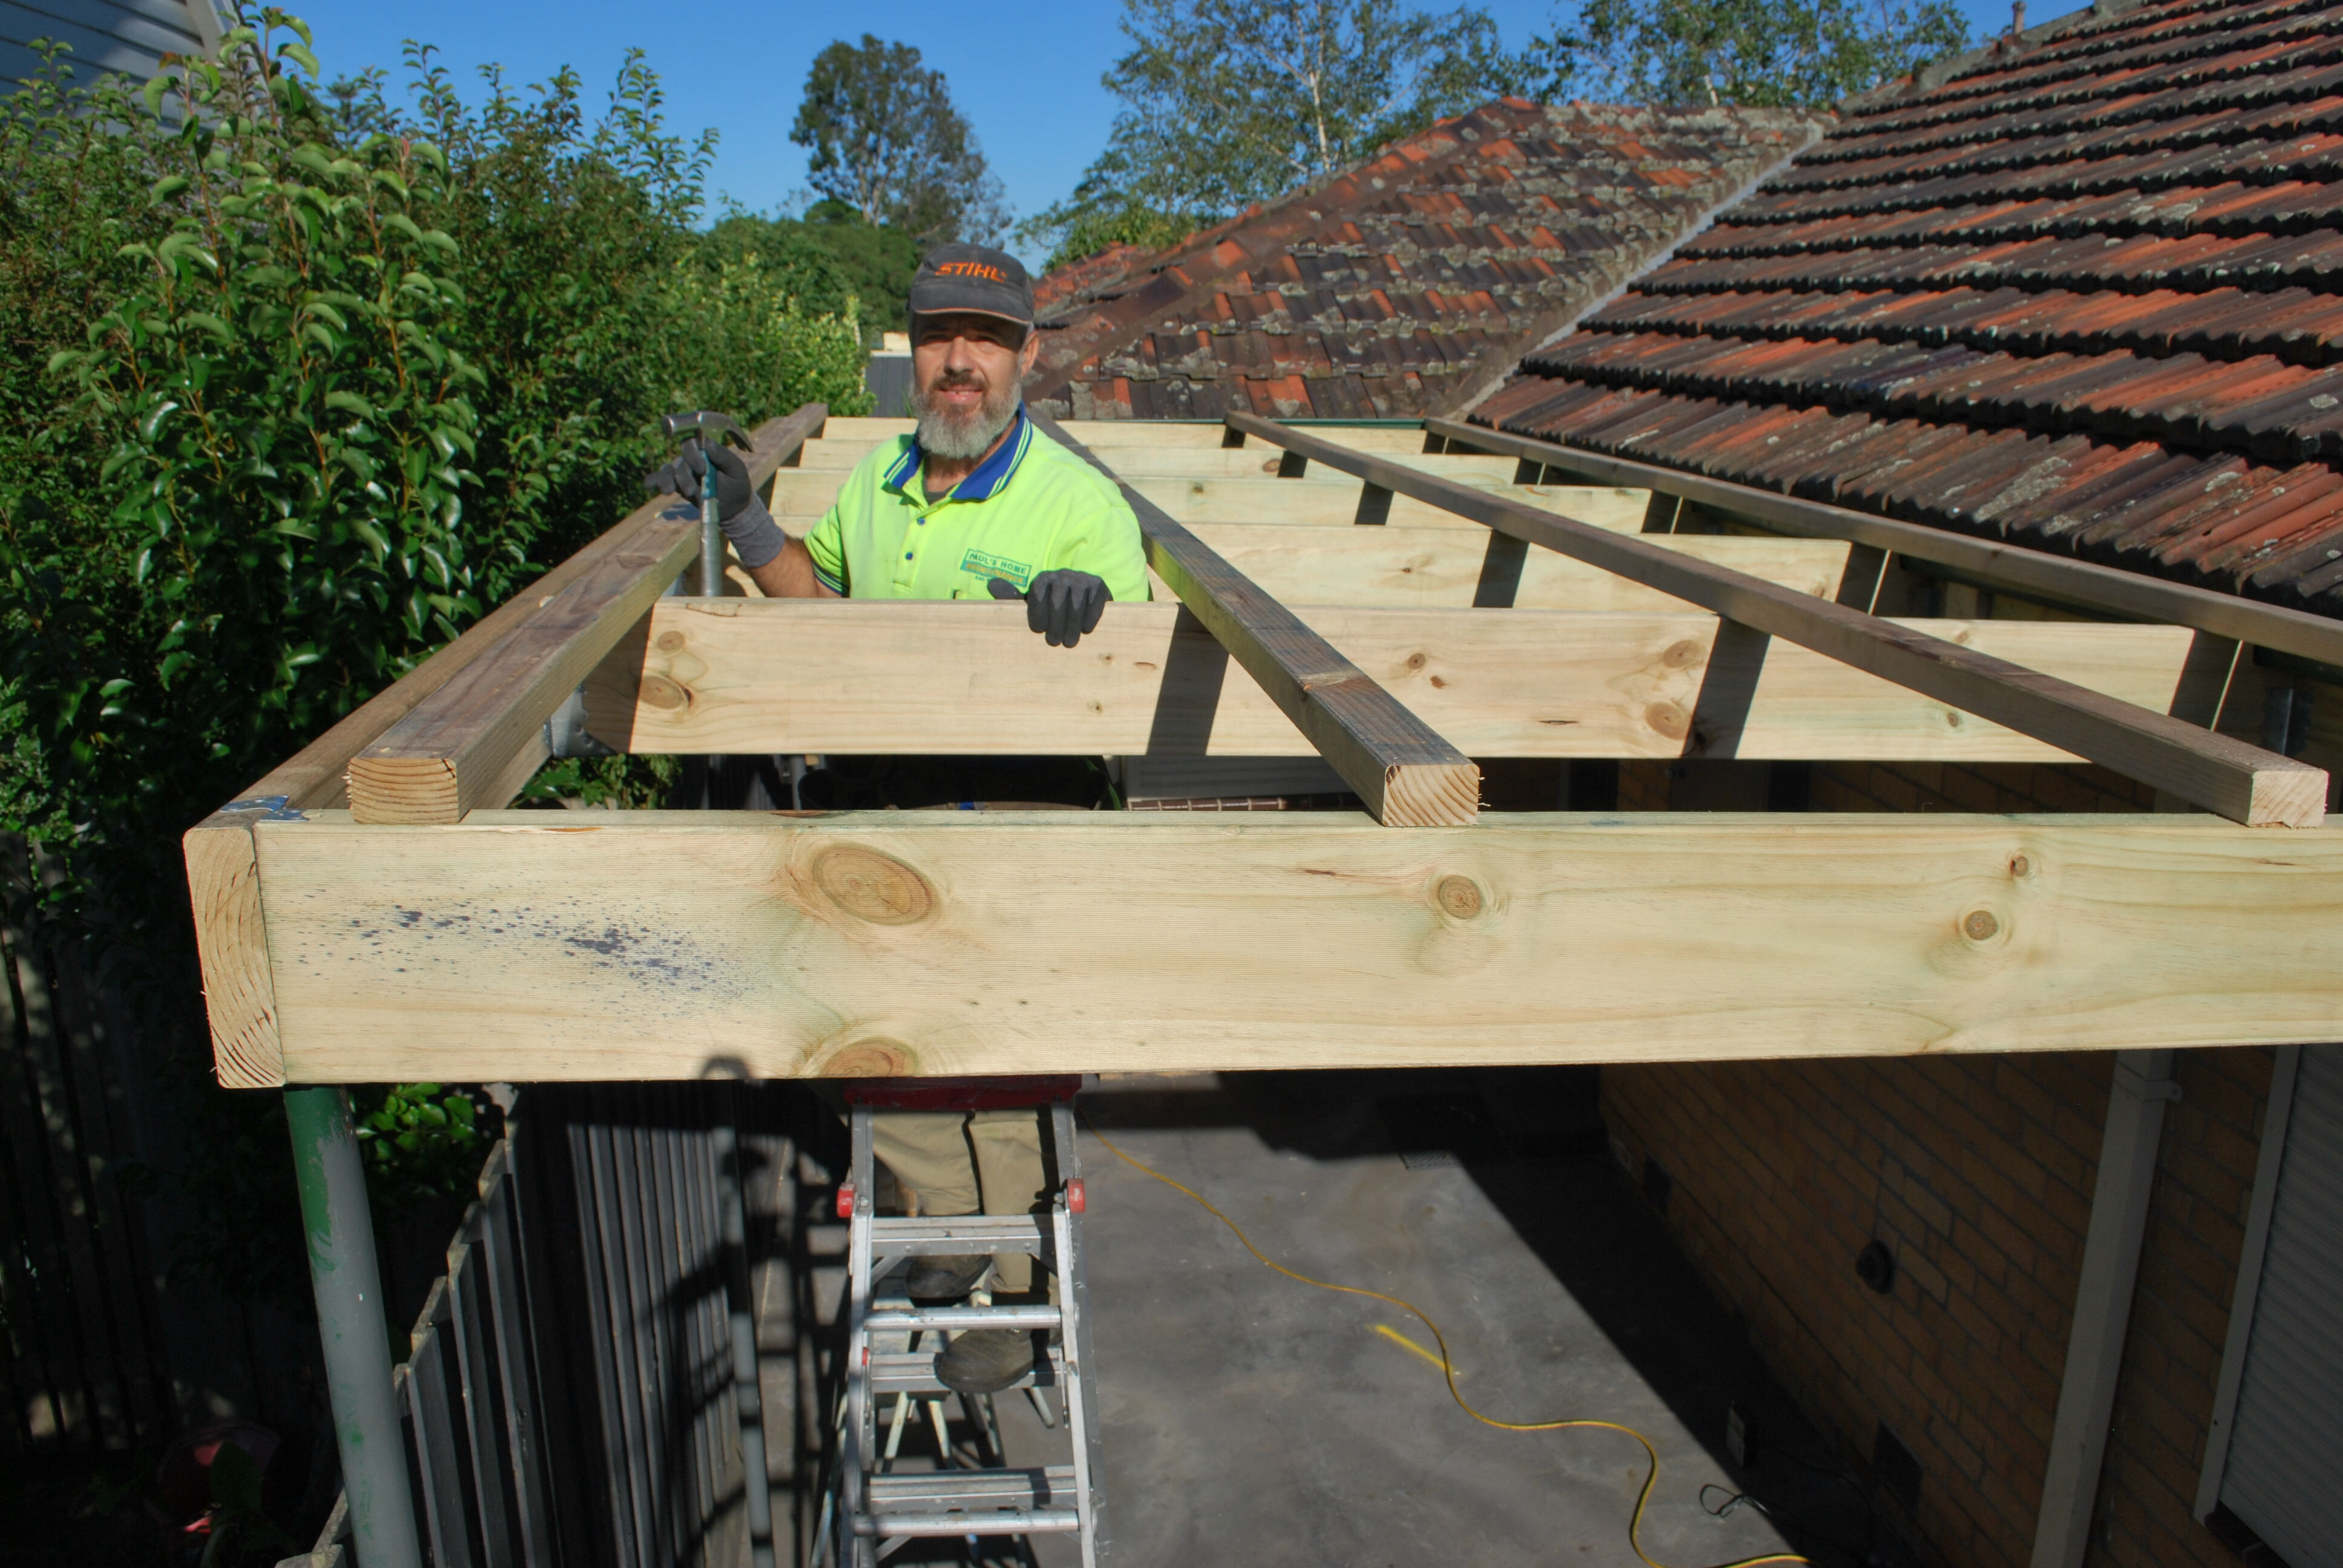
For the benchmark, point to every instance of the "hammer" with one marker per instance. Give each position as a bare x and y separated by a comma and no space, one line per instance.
708,421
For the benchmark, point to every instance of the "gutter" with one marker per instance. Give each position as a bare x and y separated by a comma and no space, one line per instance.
2103,1298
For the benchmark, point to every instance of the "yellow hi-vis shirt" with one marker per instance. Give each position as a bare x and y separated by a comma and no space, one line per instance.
1033,506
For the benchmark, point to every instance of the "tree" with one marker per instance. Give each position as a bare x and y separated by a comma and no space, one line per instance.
1090,233
1761,53
1229,102
831,243
886,142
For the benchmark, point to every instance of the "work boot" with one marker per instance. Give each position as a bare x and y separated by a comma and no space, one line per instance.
944,1279
985,1361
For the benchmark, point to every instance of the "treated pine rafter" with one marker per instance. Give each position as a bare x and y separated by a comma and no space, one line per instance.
1454,568
804,495
2242,782
1392,438
1155,461
2027,572
1399,767
478,739
600,945
696,677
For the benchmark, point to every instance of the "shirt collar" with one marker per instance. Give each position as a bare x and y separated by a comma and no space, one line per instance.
990,475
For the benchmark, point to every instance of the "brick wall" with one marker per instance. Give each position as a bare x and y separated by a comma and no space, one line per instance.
1977,1173
2180,1314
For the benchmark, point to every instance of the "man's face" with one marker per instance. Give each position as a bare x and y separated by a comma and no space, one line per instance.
966,369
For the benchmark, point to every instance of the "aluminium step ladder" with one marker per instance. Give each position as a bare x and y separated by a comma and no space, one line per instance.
892,1345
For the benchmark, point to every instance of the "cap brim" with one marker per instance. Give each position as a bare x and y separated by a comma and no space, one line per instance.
970,310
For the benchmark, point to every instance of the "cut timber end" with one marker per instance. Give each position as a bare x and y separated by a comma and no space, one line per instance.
240,996
2290,797
409,790
1432,795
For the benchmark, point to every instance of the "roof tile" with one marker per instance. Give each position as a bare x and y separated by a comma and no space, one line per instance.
2085,292
1490,232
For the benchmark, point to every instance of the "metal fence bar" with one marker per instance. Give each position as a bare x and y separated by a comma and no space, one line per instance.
491,1467
496,1245
440,1456
627,1446
748,1397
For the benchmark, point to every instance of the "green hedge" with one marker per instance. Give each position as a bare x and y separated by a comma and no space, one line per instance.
297,387
288,408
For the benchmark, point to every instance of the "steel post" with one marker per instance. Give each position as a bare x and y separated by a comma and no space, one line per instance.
712,533
352,1325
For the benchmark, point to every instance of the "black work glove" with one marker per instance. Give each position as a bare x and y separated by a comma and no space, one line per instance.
755,537
1062,604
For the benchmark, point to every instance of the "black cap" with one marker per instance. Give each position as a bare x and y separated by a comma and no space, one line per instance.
972,277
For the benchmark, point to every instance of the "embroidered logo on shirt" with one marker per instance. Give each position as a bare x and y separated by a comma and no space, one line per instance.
984,565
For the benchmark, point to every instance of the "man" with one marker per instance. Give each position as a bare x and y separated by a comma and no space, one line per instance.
975,503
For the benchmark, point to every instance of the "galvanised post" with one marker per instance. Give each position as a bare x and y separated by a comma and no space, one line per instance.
351,1323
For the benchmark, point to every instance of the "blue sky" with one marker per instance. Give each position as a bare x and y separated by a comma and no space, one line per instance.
1025,74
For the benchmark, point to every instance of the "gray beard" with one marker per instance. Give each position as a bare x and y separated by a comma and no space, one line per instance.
963,440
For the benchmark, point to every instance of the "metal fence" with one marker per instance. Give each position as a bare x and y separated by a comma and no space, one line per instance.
110,1339
620,1343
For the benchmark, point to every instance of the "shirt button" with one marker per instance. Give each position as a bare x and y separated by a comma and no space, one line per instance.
907,555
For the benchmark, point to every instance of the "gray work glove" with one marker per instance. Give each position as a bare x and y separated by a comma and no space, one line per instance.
1061,604
755,539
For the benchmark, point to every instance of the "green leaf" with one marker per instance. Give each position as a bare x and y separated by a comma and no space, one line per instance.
235,1478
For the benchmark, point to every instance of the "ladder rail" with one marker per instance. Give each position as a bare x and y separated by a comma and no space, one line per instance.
1073,1298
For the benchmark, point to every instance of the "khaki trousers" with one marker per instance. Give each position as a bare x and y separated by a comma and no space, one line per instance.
968,1163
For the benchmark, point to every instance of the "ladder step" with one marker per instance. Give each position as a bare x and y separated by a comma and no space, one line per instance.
914,1372
957,1319
954,1235
1008,1521
941,1490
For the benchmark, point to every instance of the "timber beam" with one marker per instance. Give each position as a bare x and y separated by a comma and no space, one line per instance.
1462,569
696,676
479,737
2037,574
1398,765
2242,782
532,946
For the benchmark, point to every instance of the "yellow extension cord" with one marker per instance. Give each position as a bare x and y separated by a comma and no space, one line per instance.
1651,1477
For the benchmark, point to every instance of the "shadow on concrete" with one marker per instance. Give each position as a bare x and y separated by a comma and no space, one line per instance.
1532,1141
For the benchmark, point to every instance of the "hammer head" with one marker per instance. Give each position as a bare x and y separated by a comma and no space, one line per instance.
705,422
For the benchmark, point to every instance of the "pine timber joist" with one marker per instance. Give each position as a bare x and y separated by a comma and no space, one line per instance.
1402,770
1425,568
526,945
2224,775
1135,458
696,677
223,883
801,497
2059,579
541,945
479,737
